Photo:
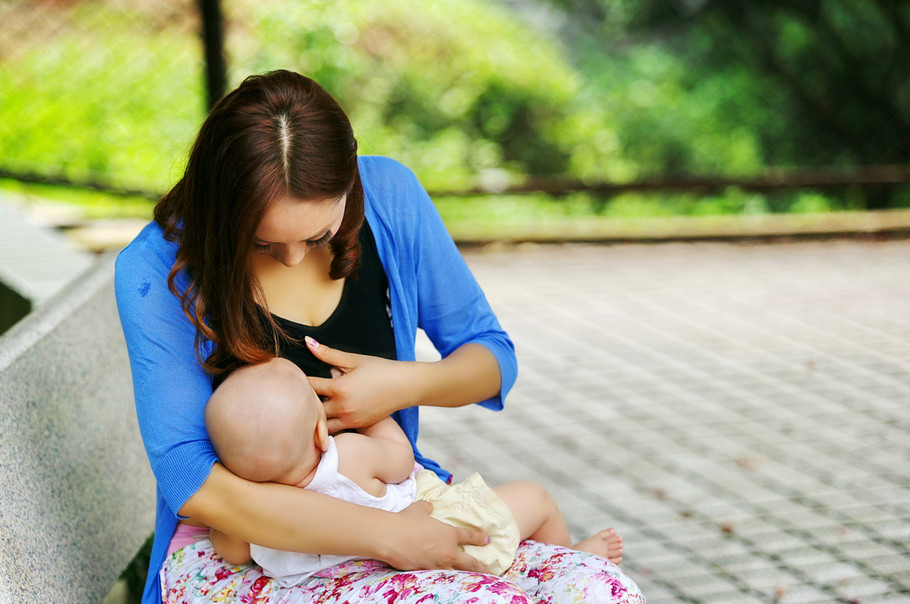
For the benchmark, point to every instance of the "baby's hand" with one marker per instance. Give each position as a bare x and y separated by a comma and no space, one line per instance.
233,551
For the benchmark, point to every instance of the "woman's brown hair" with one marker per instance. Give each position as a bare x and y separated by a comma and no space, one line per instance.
277,135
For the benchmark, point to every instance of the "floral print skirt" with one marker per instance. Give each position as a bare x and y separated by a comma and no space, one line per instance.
540,573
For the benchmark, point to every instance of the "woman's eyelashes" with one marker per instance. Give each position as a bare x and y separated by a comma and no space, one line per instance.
321,241
265,248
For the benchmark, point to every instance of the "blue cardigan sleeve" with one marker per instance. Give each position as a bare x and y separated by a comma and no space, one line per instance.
432,286
170,386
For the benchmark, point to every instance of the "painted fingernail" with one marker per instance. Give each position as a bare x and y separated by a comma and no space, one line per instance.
311,342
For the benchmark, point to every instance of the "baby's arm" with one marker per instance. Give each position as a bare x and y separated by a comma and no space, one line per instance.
381,452
232,550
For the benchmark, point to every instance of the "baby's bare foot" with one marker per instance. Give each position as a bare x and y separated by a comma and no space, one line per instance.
606,544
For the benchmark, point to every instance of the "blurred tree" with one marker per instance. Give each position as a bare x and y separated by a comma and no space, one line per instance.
833,76
460,92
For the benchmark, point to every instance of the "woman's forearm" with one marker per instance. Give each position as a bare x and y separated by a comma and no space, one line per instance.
293,519
288,518
469,375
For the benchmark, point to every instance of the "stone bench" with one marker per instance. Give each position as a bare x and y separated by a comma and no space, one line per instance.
76,491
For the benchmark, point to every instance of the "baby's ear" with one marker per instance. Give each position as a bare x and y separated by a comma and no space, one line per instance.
321,437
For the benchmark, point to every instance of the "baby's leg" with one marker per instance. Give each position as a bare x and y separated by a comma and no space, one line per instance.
535,512
539,518
606,544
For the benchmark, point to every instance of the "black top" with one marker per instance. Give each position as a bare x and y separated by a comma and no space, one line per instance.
361,322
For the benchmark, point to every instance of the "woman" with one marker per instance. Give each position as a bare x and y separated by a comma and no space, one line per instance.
280,240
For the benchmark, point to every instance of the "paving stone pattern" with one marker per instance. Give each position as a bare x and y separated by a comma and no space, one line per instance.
740,412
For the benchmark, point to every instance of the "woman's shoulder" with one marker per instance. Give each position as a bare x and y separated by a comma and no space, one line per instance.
378,168
150,244
384,177
149,253
391,190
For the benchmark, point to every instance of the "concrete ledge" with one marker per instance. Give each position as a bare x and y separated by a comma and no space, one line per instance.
77,491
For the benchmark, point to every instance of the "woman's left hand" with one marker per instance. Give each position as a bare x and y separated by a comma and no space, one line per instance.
364,389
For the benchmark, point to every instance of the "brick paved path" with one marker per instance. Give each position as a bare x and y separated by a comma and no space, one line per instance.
740,412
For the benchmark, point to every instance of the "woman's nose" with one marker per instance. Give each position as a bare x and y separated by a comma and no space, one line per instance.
293,254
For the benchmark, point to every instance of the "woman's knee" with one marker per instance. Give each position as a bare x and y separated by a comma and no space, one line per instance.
550,573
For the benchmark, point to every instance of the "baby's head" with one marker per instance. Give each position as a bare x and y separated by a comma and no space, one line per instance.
267,424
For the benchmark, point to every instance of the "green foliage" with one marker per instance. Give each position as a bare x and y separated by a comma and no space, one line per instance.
670,118
731,87
79,105
463,92
136,572
451,89
455,90
91,205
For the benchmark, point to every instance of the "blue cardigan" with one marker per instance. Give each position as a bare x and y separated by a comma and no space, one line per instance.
430,286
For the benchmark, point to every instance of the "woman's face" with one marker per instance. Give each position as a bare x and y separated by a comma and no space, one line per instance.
291,227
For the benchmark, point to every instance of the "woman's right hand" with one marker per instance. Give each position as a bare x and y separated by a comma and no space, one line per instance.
422,542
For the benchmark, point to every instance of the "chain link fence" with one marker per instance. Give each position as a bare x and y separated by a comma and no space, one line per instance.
103,91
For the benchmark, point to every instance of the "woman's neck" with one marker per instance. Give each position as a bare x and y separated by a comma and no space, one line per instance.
303,293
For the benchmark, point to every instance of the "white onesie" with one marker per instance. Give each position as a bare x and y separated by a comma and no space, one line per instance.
291,568
470,503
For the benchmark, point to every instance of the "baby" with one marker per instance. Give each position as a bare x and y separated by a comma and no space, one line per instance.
267,425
